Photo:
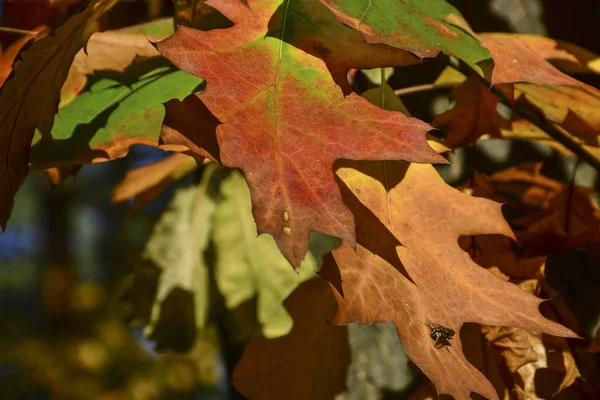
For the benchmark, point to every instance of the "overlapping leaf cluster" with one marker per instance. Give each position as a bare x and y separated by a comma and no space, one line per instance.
267,92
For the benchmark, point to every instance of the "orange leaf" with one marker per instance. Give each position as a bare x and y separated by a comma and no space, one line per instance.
564,55
514,61
473,116
431,277
148,182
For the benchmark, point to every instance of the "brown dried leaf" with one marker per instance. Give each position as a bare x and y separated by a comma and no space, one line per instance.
38,75
542,365
435,279
473,116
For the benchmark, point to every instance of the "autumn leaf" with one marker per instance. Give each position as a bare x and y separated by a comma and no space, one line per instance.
357,275
9,54
514,61
542,366
247,266
312,28
526,185
473,116
172,273
146,183
308,363
574,111
431,277
284,122
104,122
37,77
571,220
420,27
190,128
115,51
566,56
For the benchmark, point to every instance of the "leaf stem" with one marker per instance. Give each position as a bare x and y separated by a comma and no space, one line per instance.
422,88
19,31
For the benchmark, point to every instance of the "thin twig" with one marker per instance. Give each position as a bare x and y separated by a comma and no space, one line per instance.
19,31
553,130
422,88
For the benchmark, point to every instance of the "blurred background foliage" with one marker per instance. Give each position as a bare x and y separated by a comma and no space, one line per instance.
79,274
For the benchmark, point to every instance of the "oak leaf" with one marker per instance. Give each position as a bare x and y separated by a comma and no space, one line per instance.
514,61
170,286
474,115
38,75
247,266
431,277
526,184
118,111
542,365
566,56
284,121
308,363
423,28
571,220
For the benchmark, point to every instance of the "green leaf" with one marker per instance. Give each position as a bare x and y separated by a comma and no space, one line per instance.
384,97
248,266
374,74
115,113
160,27
176,247
422,27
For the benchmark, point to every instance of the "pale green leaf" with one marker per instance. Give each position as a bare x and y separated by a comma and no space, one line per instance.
249,266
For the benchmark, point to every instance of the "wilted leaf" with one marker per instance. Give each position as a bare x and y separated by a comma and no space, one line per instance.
308,363
176,248
543,365
420,27
248,266
37,78
573,109
426,217
114,114
146,183
284,122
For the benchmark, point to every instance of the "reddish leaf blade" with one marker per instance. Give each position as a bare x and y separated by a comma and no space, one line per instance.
284,122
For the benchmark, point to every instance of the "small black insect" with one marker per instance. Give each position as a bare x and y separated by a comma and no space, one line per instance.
441,335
